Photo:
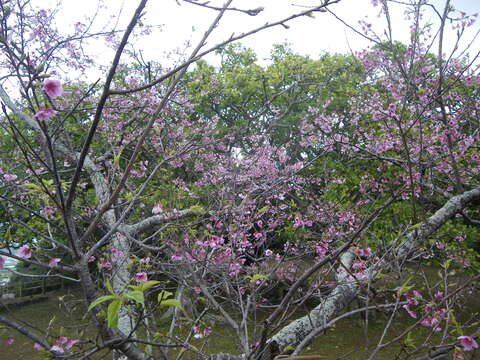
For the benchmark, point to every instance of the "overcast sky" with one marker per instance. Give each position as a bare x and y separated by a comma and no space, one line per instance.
308,36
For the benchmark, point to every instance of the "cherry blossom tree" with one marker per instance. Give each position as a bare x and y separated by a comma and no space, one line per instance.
123,187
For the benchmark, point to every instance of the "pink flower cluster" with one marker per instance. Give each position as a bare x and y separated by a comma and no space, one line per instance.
468,343
63,344
300,222
25,252
200,332
53,88
45,113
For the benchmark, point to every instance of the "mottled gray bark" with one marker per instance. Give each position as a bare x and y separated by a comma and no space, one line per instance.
345,291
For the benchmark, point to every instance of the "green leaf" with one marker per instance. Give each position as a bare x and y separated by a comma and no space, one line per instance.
109,287
116,158
112,313
405,287
197,209
447,263
100,300
171,303
145,286
137,296
135,287
263,209
256,277
416,226
409,342
164,294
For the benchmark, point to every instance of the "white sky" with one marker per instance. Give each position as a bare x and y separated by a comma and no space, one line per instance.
308,36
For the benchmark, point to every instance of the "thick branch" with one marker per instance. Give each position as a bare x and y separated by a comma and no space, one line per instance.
149,223
347,290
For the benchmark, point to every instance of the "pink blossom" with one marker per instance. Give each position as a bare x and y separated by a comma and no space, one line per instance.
61,340
37,346
157,209
91,259
25,252
268,252
200,333
61,344
458,356
141,277
9,177
53,262
411,300
417,294
412,313
235,269
365,252
70,344
57,348
116,254
439,295
45,113
427,321
47,211
2,262
53,88
177,256
106,264
468,343
10,341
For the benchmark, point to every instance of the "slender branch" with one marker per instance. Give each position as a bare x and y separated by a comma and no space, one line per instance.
232,38
101,104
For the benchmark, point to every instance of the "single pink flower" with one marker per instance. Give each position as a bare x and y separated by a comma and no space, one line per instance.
53,262
141,277
25,252
53,88
468,343
37,346
10,341
439,295
91,259
45,113
2,262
